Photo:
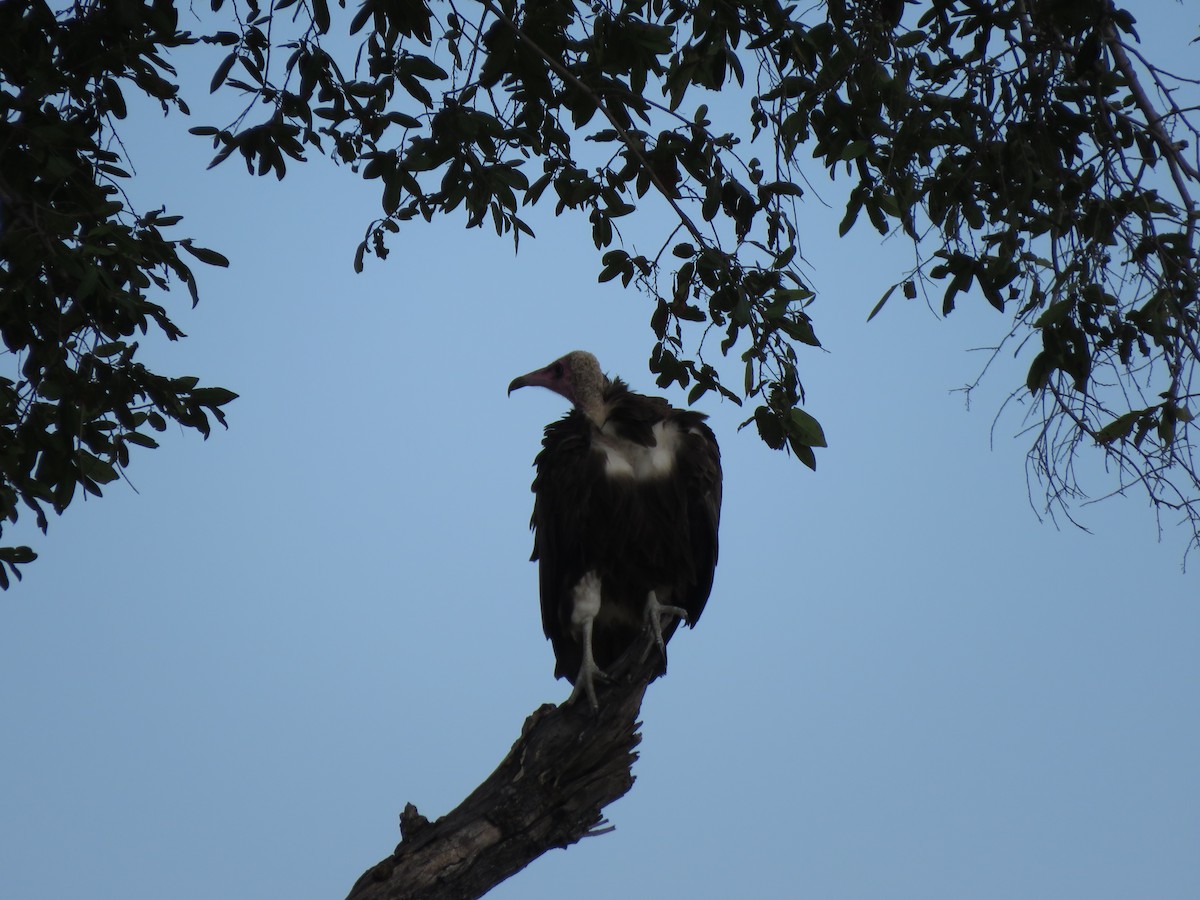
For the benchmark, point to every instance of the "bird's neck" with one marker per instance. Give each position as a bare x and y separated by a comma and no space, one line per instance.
590,401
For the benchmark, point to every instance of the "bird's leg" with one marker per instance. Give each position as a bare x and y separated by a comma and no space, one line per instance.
655,612
586,606
589,672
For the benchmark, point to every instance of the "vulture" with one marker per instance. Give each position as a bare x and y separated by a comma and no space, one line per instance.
627,500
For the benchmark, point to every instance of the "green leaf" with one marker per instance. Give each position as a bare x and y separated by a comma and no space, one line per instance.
805,428
1055,313
222,70
608,273
854,150
320,10
799,328
17,555
1039,372
424,67
791,295
882,300
786,188
111,348
211,257
803,453
853,206
360,18
142,440
1118,428
96,469
213,396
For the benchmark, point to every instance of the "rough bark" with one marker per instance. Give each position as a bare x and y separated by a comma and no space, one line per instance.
549,791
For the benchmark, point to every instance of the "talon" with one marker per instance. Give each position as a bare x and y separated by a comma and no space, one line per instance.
589,673
654,614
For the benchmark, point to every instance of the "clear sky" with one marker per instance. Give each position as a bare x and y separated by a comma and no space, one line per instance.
229,682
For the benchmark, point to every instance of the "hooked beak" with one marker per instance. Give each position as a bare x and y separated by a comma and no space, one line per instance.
543,377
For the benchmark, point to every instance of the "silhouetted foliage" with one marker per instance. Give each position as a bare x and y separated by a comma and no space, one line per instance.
1035,158
78,268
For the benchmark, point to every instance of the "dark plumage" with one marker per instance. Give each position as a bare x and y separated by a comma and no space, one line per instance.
626,509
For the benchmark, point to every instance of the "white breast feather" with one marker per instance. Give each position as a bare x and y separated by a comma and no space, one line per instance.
625,459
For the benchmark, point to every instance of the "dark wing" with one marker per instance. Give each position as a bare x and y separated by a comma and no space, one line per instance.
567,474
699,464
633,416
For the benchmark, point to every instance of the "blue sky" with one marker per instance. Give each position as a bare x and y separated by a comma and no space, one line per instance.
228,683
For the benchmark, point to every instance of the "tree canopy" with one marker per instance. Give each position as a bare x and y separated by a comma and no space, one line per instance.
1033,154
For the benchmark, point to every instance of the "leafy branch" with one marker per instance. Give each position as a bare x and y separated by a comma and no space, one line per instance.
77,264
1035,157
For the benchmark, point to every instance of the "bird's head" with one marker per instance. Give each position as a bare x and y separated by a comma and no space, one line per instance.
576,376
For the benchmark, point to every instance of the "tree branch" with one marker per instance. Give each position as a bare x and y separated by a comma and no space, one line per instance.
1179,168
567,765
626,138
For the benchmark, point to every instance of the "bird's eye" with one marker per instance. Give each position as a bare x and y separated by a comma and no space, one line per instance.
558,370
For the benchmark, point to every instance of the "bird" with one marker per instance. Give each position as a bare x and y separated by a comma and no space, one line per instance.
627,506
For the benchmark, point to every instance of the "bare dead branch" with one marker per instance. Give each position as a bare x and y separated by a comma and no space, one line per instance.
549,791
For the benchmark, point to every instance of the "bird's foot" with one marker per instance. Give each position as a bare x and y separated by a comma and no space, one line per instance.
589,673
655,615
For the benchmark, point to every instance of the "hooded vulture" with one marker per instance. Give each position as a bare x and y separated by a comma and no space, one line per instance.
627,500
